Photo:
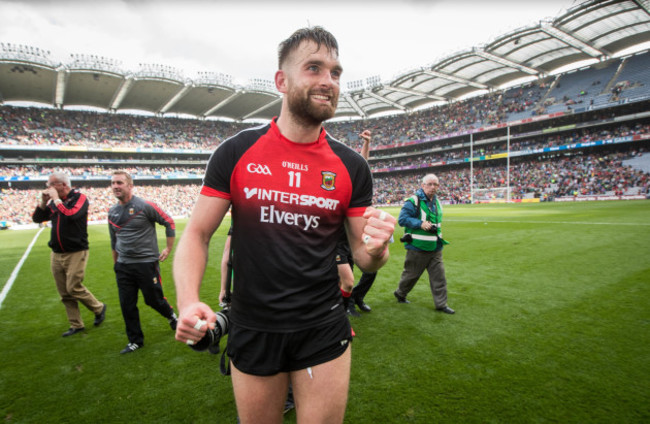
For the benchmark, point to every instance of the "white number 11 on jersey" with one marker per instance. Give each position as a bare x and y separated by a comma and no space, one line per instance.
294,179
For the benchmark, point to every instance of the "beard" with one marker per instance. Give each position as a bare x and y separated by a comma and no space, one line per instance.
309,113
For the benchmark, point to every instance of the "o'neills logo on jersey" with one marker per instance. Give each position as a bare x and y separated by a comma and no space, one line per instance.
329,178
291,198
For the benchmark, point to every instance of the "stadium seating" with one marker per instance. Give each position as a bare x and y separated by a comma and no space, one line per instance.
634,78
580,152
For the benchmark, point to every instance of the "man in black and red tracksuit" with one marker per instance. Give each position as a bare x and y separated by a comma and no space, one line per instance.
132,227
67,208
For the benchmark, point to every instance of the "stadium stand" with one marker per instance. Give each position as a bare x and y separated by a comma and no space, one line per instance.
633,79
578,89
593,146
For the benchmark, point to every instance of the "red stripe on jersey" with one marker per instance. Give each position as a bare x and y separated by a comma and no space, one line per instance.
74,209
114,224
355,212
210,192
162,213
58,234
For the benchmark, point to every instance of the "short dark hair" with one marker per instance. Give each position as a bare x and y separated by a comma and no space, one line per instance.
317,34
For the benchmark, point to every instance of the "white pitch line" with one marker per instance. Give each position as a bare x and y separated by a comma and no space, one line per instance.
14,274
549,222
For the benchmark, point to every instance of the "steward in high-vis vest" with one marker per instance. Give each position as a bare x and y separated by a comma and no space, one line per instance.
429,211
421,217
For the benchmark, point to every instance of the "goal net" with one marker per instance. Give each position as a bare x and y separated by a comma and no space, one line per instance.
490,195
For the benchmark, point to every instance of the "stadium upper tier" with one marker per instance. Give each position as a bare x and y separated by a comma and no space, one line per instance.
615,84
592,32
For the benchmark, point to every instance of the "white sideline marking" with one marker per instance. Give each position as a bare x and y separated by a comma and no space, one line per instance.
548,222
14,274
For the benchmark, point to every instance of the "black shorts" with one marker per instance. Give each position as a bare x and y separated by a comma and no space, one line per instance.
265,353
343,253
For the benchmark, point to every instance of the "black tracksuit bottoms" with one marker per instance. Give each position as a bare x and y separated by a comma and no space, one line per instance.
144,276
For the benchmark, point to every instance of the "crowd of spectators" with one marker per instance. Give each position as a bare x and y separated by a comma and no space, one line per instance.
582,172
43,127
35,171
100,130
422,154
178,200
447,154
577,175
96,129
52,127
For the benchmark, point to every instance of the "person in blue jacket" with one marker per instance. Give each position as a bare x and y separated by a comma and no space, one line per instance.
421,217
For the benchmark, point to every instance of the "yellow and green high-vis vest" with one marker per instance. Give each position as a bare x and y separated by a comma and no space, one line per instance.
425,240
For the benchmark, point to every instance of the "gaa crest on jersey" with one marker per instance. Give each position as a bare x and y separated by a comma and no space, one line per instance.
329,178
131,211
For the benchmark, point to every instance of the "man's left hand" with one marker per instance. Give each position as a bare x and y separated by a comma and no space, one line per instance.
378,231
163,254
52,193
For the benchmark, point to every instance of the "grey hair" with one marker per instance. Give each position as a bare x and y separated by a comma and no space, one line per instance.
428,177
62,177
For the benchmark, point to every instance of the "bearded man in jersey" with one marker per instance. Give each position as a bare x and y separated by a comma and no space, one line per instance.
292,188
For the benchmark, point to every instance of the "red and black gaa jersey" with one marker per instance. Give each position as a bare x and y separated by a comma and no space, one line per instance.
289,202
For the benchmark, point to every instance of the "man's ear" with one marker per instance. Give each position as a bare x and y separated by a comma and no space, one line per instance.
281,81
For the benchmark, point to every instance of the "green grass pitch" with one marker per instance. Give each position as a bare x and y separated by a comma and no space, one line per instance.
552,325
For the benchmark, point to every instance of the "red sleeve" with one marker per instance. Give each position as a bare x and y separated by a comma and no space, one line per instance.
75,209
210,192
354,212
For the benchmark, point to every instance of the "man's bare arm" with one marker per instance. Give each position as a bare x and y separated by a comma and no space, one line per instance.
189,266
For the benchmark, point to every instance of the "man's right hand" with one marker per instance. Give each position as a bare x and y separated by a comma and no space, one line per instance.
426,226
187,330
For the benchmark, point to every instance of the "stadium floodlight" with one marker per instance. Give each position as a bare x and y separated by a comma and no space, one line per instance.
355,85
373,82
258,84
215,78
91,61
25,53
153,70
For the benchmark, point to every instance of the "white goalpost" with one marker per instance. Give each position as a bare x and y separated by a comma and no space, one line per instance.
492,194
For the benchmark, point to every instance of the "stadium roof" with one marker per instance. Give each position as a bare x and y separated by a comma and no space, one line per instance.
594,30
